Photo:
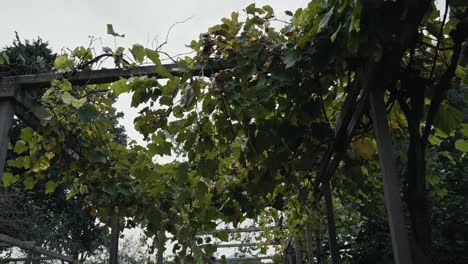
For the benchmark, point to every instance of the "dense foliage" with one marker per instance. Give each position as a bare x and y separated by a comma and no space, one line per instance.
250,140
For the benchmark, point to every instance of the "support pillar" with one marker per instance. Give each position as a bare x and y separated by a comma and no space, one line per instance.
310,246
289,254
297,246
335,257
160,254
391,182
318,244
7,109
114,247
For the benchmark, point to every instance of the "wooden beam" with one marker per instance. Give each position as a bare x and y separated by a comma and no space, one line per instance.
391,182
9,245
6,116
246,259
28,246
8,260
104,75
238,245
239,230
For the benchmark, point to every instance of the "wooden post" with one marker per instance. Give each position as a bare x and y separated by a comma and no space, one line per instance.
7,108
160,256
400,243
29,259
310,246
297,246
318,244
114,246
289,254
331,223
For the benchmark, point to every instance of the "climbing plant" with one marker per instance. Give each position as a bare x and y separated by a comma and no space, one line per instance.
250,140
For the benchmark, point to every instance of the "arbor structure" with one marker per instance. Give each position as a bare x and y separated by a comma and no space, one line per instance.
287,119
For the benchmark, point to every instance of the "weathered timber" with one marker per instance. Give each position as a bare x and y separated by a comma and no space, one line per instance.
238,245
391,182
297,247
289,253
318,245
9,260
114,245
104,75
246,259
6,116
238,230
28,246
310,246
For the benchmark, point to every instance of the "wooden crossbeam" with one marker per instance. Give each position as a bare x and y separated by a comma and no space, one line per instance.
239,245
9,260
28,246
103,75
250,229
245,260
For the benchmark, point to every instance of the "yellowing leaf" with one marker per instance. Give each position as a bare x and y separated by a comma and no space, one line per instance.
63,63
50,155
77,103
67,98
41,164
462,145
363,147
51,186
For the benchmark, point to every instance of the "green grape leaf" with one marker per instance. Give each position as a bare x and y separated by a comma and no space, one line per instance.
448,118
27,134
462,145
20,147
87,113
51,186
119,87
111,31
29,183
9,178
63,63
138,52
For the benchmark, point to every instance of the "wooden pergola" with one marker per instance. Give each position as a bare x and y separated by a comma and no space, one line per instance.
16,100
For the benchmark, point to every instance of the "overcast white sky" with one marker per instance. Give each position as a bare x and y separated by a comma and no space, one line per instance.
70,23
